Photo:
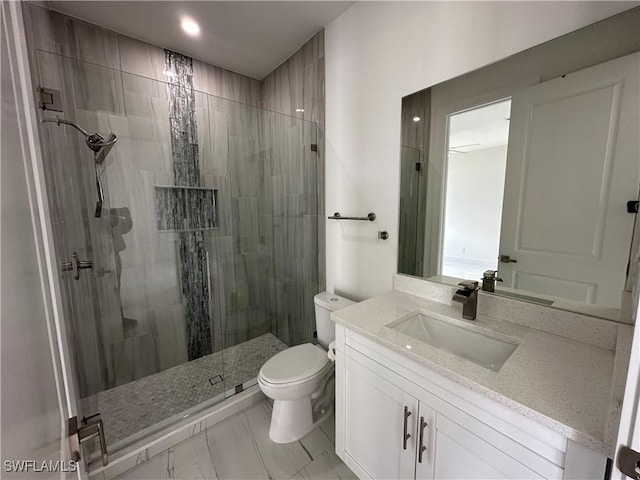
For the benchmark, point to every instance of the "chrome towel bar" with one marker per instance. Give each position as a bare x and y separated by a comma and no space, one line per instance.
336,216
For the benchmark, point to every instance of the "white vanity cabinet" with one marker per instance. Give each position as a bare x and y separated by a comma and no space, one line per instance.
375,410
398,422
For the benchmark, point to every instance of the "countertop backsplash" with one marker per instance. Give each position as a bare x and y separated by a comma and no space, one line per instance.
575,326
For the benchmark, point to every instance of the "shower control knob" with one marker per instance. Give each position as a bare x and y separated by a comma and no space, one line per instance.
75,265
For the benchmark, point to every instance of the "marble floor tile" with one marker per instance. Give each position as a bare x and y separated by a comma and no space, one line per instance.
317,442
239,448
329,427
326,466
191,460
281,461
234,450
338,467
156,468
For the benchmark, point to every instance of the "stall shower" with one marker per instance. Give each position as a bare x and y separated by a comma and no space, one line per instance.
201,243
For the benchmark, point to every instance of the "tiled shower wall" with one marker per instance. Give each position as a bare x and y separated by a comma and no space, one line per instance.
129,315
299,84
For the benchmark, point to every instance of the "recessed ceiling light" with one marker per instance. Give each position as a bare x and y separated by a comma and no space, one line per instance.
190,27
416,119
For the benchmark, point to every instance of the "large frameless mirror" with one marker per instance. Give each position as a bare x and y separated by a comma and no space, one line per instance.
530,167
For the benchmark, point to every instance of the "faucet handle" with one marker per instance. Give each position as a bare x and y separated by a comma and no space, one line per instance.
491,275
469,284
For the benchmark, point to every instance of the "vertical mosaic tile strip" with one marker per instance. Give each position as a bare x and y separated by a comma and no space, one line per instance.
186,170
180,208
196,294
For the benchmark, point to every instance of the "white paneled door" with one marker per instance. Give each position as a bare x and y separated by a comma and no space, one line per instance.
573,165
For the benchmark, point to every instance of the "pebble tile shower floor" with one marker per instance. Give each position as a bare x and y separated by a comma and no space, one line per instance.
240,448
132,407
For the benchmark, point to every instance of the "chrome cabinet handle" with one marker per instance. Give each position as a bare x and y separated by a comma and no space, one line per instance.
421,447
406,436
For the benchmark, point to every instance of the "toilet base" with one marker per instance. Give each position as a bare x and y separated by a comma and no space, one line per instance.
293,419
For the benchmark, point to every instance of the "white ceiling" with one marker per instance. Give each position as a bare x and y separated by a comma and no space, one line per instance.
251,38
482,127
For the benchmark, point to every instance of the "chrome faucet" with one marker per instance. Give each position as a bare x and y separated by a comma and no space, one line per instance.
489,279
468,296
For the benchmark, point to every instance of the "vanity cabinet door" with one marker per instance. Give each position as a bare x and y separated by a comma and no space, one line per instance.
461,454
376,412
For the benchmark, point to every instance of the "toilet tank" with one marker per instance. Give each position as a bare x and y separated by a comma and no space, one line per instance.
326,303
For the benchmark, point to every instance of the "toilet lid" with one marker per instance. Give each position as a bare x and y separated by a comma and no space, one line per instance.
294,364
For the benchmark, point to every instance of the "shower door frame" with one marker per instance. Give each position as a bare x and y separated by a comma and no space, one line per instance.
61,359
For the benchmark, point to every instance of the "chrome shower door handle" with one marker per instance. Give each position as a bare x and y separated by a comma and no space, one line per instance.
208,275
406,435
421,447
91,427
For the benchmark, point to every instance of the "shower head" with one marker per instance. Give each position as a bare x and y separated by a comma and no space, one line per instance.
96,142
101,147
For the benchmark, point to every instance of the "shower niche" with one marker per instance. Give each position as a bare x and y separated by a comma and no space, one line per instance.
185,208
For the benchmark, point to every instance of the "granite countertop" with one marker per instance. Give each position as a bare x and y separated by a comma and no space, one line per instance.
560,383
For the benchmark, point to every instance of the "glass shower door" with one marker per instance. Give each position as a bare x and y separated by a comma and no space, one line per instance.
266,251
90,298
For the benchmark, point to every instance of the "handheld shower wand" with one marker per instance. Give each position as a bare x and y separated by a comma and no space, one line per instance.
100,146
98,211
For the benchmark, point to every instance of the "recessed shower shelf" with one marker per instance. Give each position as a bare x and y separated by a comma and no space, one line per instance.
185,209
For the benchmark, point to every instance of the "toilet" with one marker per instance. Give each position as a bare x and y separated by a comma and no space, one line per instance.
300,380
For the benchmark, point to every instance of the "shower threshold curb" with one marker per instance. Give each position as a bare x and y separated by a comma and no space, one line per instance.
142,450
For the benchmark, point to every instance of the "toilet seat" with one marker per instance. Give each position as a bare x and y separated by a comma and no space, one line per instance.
294,365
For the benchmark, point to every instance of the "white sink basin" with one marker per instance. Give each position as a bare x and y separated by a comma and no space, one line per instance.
481,349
